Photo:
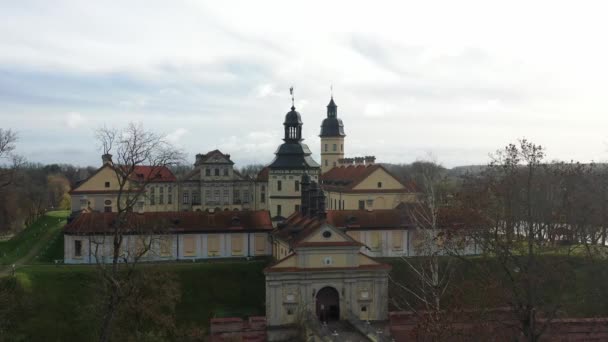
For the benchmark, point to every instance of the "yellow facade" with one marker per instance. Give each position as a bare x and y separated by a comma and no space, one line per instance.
332,150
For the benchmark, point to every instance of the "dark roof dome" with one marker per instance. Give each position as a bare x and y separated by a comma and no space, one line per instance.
293,117
332,126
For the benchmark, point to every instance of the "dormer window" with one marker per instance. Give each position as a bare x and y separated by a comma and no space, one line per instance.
107,185
327,234
217,172
207,172
379,185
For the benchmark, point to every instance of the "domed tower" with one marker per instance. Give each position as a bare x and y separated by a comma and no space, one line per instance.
332,138
292,160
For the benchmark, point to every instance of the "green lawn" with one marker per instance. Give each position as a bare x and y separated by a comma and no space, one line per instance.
59,297
17,247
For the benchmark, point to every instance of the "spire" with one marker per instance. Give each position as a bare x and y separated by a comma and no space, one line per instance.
293,122
332,108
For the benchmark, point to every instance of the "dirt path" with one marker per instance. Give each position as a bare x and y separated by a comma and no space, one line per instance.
44,239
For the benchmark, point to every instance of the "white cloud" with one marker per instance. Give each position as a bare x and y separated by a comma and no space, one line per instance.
462,81
377,110
175,136
74,120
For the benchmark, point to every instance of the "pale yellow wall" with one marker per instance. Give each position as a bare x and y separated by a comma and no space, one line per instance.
338,259
287,189
280,249
380,200
329,158
380,175
97,182
318,236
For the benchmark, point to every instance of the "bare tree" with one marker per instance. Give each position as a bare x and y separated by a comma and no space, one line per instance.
431,270
8,138
129,148
524,200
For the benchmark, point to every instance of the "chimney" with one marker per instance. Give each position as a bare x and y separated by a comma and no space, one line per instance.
359,160
106,159
370,160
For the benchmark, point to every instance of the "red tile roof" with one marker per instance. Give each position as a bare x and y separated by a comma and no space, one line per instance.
345,177
143,173
172,222
263,175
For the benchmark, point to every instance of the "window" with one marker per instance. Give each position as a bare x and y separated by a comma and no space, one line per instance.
325,147
279,210
107,209
226,195
245,196
165,247
196,197
217,172
397,237
226,172
186,198
342,147
83,203
335,147
236,240
213,245
327,234
379,184
216,195
361,205
279,186
260,244
327,261
189,246
236,195
140,206
107,185
169,195
161,195
263,197
263,188
207,172
297,185
326,162
375,245
335,164
297,208
77,248
152,196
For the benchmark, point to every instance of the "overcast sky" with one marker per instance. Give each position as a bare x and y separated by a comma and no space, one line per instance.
457,79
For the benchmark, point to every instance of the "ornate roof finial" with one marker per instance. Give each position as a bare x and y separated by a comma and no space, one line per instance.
331,90
292,99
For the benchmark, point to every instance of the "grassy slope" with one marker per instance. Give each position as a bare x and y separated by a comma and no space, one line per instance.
18,246
59,296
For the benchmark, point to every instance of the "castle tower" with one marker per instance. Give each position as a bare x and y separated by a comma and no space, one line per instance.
332,138
293,159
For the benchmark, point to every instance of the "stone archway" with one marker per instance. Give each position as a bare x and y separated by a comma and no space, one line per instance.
328,304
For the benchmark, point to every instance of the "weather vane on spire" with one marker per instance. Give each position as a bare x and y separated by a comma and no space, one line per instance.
291,93
331,90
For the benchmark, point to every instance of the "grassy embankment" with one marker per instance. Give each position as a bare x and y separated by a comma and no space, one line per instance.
45,233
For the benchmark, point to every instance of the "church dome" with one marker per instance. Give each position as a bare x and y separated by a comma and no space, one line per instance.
292,118
332,126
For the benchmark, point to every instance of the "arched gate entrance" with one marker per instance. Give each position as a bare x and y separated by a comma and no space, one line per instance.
328,304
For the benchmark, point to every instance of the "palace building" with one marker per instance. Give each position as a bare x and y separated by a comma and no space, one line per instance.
350,187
